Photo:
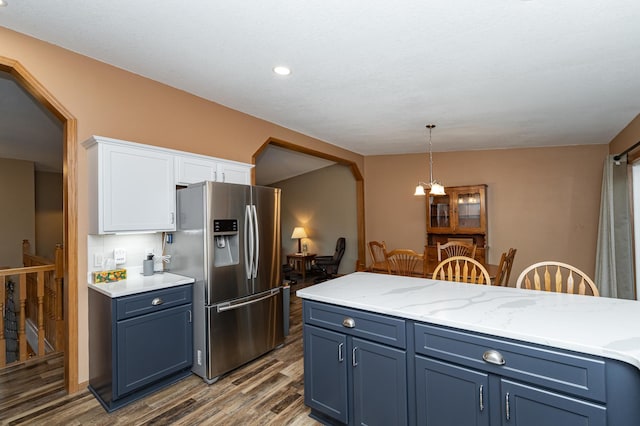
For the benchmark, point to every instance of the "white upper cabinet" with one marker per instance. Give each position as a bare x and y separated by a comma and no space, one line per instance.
192,168
131,187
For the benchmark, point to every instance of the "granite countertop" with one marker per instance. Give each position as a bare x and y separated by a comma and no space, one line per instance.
598,326
137,283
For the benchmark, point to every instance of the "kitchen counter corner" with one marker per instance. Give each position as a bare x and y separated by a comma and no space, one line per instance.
137,283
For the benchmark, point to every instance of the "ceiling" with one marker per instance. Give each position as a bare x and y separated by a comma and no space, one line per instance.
369,75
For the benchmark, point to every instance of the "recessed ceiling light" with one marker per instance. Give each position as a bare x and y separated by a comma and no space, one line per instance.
280,70
3,3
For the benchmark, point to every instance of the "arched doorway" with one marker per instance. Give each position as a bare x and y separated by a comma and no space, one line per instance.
70,213
356,175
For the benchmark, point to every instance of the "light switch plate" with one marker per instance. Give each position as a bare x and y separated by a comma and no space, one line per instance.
119,256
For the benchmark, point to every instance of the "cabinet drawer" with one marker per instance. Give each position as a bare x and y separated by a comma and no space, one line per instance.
375,327
152,301
565,371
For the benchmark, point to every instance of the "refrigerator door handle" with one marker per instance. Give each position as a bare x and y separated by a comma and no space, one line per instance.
256,241
228,306
248,241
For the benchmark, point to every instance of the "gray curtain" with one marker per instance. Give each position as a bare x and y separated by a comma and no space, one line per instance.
614,255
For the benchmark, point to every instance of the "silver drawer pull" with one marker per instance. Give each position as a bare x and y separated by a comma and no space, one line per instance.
493,357
349,322
157,301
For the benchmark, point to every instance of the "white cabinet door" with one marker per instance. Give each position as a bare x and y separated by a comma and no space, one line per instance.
233,172
194,168
132,188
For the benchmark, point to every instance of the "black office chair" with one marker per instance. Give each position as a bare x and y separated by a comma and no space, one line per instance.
327,266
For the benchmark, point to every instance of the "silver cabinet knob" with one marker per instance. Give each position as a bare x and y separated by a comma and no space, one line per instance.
157,301
493,357
349,322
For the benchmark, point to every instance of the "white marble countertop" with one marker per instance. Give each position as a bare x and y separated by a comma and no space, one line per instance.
598,326
137,283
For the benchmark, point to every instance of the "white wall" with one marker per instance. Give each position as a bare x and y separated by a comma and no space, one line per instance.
135,245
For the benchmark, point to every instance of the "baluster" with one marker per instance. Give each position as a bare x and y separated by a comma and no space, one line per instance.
22,336
40,319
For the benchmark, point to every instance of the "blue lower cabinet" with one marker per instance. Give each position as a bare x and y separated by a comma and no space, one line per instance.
139,343
448,394
524,405
325,372
379,383
153,346
355,366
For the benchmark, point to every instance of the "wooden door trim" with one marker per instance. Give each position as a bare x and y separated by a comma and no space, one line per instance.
70,212
342,161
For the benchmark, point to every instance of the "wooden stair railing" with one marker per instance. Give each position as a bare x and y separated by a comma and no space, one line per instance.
53,313
40,300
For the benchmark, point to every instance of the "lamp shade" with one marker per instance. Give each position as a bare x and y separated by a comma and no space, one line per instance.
298,232
419,190
437,189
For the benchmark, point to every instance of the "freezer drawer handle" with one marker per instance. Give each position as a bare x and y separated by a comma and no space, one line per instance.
157,301
229,306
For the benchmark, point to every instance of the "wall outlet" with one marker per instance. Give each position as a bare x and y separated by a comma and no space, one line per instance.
98,259
119,256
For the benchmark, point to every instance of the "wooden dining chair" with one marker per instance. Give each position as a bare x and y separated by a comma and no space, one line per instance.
456,248
462,269
405,262
504,268
377,250
557,277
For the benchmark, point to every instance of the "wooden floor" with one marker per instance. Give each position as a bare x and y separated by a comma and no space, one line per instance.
268,391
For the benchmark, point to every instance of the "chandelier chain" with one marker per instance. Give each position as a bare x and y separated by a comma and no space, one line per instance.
430,127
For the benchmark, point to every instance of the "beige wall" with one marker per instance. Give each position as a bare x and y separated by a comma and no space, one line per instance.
114,103
324,202
49,218
17,220
543,201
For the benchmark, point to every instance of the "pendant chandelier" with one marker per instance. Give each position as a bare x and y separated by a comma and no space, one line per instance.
435,188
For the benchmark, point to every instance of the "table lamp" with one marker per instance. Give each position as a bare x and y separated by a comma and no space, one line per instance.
299,233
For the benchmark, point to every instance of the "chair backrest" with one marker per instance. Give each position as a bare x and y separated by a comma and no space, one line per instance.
557,277
405,262
504,268
456,248
377,250
462,269
340,247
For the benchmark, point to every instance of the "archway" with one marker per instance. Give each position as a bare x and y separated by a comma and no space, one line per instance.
70,213
356,175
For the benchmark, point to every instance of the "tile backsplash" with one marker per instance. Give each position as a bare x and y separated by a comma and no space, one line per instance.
101,248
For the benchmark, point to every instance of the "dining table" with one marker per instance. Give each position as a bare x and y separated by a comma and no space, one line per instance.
431,267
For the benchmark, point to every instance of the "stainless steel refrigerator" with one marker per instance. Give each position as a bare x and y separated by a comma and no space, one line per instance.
228,239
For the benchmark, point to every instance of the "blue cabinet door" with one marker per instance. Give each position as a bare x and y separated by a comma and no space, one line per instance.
325,372
524,405
379,384
152,346
447,394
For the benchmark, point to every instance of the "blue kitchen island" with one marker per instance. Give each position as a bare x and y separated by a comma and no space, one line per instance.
382,349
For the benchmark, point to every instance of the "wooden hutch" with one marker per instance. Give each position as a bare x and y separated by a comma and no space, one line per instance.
460,214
